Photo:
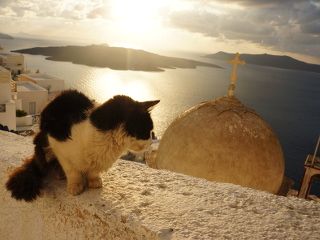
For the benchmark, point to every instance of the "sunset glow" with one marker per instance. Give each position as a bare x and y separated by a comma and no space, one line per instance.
274,27
140,16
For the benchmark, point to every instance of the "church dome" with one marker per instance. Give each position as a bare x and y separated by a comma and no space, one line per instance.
223,140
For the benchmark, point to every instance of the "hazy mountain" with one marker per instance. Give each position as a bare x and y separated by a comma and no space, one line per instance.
269,60
5,36
24,35
114,57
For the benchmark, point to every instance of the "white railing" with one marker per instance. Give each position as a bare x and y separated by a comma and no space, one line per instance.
13,86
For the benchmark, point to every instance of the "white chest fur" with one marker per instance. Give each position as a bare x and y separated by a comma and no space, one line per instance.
89,149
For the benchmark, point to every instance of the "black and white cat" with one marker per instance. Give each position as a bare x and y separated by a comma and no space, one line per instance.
85,139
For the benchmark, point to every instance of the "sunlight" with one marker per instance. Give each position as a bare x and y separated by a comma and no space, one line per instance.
138,90
108,84
137,16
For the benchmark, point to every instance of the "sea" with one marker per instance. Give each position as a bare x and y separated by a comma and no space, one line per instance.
289,100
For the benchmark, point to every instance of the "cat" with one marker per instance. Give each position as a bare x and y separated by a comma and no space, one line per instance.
83,138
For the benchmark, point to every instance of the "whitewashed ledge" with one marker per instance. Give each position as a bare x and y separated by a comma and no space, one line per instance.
137,202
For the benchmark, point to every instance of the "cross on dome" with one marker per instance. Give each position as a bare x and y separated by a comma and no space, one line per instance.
234,62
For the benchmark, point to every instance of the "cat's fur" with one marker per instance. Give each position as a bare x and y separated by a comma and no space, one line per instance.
86,139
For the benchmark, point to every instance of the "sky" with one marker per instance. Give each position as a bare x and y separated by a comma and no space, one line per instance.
282,27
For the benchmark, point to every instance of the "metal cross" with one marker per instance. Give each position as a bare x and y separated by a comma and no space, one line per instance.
234,62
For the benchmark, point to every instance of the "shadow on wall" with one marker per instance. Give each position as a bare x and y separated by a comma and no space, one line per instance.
5,128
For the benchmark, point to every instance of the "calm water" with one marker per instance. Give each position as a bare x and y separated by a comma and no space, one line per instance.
288,100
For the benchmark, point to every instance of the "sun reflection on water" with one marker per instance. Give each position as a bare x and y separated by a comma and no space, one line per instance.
106,84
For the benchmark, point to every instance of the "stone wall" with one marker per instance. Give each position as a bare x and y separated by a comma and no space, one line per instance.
137,202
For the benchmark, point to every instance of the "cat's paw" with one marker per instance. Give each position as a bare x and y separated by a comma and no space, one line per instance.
95,183
75,188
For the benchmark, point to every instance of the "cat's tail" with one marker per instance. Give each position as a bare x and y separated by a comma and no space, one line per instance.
26,181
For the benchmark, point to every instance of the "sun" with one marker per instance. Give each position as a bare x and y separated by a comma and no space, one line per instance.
137,16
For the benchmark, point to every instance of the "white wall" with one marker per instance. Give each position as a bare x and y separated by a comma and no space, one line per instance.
24,121
8,118
5,87
40,97
5,75
137,202
14,61
18,103
5,92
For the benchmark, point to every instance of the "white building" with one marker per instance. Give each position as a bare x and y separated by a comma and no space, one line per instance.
51,83
30,94
7,105
12,61
34,97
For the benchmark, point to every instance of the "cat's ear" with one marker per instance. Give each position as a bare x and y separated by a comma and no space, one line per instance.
149,105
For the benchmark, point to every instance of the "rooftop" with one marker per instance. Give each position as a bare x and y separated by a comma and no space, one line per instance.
23,86
40,76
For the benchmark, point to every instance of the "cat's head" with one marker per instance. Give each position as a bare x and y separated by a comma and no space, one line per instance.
133,116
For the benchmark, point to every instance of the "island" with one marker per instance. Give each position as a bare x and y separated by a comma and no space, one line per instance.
5,36
116,58
285,62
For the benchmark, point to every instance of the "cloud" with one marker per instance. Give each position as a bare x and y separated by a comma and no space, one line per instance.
7,12
312,28
68,9
252,3
4,3
263,3
99,12
287,25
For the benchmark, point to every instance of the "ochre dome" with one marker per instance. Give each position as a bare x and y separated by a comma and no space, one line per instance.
223,141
